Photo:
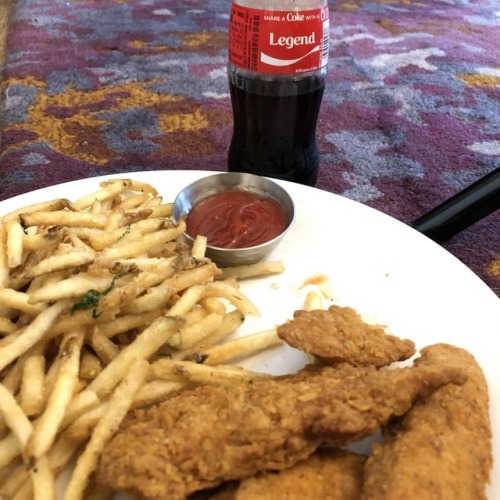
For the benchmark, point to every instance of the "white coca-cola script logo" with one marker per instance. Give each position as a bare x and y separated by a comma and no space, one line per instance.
289,42
292,41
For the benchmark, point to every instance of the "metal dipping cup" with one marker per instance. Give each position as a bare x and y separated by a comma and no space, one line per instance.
234,181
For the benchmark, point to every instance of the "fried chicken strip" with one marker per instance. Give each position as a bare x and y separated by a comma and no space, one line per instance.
442,447
340,335
329,474
208,435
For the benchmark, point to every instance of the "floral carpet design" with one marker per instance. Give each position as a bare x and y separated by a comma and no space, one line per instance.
410,116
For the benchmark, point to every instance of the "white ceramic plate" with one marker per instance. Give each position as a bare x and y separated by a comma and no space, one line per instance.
387,271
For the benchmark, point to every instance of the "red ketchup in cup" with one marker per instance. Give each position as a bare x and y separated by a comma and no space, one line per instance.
236,219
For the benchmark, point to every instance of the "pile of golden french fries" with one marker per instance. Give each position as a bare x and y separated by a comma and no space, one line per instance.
104,309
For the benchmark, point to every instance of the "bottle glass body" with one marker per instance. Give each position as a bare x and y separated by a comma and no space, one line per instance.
275,113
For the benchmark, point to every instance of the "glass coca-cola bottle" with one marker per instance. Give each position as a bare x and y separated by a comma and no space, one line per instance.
278,58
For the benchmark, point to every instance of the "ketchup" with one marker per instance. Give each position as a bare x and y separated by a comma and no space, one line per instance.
236,219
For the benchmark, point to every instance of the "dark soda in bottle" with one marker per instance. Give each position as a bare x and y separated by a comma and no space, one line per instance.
278,56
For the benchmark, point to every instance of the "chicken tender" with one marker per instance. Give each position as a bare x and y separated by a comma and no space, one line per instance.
329,474
340,335
211,434
442,447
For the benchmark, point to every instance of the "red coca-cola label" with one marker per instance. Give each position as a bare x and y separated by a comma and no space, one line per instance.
272,41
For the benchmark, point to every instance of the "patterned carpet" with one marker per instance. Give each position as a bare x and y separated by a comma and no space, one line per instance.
411,113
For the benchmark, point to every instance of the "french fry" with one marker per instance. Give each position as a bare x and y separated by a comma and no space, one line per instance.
40,281
120,295
109,190
31,334
8,471
213,305
50,378
9,339
132,216
230,323
136,186
98,206
190,277
217,289
114,220
252,270
120,403
14,416
10,447
31,392
82,317
4,268
60,262
59,455
103,239
83,426
143,347
164,210
44,206
105,349
137,247
14,375
156,391
18,300
79,244
241,347
90,365
15,234
46,240
133,201
154,299
43,480
192,334
48,424
18,484
313,300
199,247
74,286
194,315
62,452
83,402
175,370
150,264
6,326
40,242
156,201
126,323
63,218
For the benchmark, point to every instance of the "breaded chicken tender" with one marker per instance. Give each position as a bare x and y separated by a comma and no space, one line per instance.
340,335
329,474
442,447
211,434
